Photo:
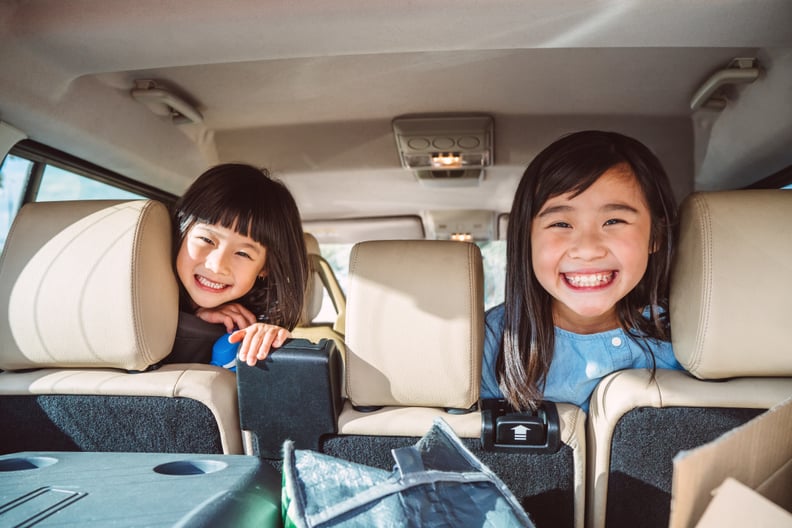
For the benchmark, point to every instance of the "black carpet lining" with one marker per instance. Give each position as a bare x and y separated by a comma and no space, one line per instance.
107,423
644,444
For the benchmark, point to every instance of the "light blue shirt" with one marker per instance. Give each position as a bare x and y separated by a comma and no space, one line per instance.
580,361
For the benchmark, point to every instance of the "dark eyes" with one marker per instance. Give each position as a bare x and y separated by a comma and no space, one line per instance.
211,242
609,222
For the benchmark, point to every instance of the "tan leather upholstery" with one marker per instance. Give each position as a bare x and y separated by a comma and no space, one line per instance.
87,294
414,336
729,311
83,295
730,307
322,279
415,324
313,288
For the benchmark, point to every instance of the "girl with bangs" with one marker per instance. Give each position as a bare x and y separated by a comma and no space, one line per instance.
241,262
589,246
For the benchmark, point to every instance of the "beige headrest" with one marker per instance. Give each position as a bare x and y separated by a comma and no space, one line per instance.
88,284
311,244
312,303
415,313
731,290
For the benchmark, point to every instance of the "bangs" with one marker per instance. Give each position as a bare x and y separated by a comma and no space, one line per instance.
250,210
575,177
242,221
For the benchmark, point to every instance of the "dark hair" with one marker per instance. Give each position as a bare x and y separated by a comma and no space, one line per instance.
246,199
571,165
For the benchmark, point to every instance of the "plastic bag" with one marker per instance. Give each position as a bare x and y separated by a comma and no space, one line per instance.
436,483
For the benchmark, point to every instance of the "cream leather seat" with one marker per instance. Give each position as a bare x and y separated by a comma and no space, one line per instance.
730,321
414,345
321,279
88,304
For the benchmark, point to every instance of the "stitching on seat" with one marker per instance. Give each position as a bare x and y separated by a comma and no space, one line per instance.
572,428
706,300
353,261
659,392
176,384
134,286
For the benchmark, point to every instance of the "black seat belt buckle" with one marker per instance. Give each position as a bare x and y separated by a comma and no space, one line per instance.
504,429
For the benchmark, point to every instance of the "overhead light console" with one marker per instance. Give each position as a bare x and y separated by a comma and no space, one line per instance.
445,150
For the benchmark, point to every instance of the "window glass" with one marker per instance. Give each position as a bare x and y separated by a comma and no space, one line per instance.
494,255
337,255
60,184
56,184
14,174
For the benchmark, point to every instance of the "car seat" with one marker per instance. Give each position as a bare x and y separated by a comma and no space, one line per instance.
88,307
729,310
415,323
321,279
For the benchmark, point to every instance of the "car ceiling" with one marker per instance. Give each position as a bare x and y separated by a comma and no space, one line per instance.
310,89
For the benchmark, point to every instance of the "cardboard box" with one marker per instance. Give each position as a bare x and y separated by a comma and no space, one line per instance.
748,471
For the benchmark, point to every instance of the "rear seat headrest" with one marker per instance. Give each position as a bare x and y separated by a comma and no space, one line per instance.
414,323
88,284
312,304
732,283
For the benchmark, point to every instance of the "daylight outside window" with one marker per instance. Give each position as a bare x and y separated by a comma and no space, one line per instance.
56,184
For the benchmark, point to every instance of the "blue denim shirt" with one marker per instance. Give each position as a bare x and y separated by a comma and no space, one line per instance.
580,361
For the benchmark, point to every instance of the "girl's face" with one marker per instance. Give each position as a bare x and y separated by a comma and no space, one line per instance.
589,251
217,265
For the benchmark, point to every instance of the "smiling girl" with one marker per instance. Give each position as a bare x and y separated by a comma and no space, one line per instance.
241,263
589,247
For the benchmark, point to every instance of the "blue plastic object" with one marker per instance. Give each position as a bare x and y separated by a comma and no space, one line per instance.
224,353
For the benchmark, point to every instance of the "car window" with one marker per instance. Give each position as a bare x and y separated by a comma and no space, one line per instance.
56,183
493,254
337,255
60,184
14,174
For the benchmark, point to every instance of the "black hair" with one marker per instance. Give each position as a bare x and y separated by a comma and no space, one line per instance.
244,198
572,164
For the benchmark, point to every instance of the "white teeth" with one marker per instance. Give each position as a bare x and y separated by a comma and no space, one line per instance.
209,284
589,281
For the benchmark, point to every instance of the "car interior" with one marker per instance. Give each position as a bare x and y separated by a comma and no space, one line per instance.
402,131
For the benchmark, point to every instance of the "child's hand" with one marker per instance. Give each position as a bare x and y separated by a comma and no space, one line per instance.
257,340
232,315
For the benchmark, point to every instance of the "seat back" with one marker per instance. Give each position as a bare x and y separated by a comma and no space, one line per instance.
729,312
88,306
415,322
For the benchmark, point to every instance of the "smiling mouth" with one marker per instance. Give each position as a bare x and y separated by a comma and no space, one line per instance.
589,280
203,281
